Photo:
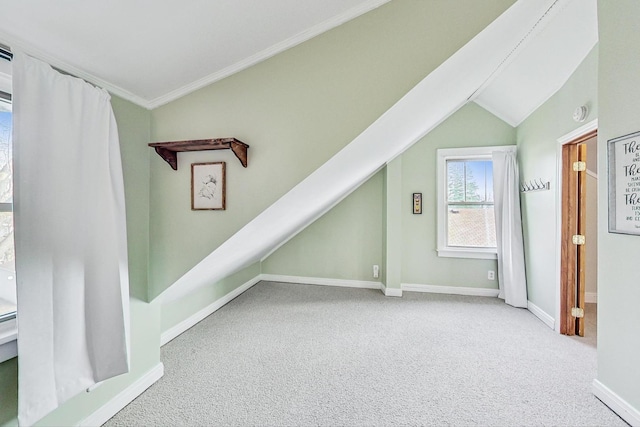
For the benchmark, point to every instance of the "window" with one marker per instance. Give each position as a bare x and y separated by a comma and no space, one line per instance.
466,221
8,329
7,253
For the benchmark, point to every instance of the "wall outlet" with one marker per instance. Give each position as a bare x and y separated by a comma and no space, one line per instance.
376,271
491,275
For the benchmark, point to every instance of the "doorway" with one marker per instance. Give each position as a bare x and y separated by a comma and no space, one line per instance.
578,232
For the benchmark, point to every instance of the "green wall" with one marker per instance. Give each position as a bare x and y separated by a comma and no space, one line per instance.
618,287
375,225
392,272
471,126
296,110
537,156
9,392
134,132
145,355
133,128
326,248
177,311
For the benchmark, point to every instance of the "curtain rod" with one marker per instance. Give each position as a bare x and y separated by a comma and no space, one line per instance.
5,53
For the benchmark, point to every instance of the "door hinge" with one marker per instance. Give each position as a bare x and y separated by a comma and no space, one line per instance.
578,239
577,312
579,166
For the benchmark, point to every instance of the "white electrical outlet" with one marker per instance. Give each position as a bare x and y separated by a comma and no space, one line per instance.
376,271
491,275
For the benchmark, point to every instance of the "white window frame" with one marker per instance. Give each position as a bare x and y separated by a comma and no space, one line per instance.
465,153
8,328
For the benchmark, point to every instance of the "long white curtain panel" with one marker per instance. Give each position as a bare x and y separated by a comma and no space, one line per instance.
71,253
506,192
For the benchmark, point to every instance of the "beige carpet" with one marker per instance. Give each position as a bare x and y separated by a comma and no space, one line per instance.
286,355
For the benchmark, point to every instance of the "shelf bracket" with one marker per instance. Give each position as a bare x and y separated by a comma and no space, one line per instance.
169,150
169,156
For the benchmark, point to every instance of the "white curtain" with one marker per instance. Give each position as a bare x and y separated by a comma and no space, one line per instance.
506,193
71,254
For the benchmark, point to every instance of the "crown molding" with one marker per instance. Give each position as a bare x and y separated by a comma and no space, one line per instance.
267,53
17,44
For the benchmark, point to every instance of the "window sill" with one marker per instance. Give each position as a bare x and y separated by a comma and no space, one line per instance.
467,253
8,340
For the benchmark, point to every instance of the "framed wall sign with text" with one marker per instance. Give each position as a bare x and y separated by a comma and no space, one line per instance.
624,184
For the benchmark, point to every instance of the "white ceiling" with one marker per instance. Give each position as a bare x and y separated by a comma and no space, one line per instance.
544,64
152,51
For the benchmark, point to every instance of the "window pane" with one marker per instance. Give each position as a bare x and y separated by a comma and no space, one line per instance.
7,265
471,226
455,181
479,180
469,181
7,254
6,155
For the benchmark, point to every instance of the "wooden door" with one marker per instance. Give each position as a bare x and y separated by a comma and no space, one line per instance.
573,254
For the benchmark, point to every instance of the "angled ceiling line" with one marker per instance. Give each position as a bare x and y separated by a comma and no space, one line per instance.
517,49
18,44
265,54
406,122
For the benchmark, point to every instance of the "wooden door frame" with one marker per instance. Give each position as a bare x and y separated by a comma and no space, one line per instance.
563,294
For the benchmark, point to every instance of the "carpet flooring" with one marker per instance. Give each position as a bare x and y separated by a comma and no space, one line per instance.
286,355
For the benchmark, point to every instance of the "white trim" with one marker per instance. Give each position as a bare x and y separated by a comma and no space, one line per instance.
592,174
591,297
616,403
576,133
390,292
18,44
267,53
321,214
541,314
566,138
442,155
451,290
122,399
8,340
192,320
478,253
301,280
8,350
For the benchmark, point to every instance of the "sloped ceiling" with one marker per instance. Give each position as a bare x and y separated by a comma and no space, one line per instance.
154,51
448,88
544,64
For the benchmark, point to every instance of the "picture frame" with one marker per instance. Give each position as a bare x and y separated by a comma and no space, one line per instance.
417,203
208,186
623,161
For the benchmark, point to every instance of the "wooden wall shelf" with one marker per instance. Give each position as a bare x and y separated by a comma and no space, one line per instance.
169,150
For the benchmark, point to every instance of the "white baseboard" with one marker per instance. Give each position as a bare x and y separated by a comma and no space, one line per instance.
390,292
189,322
542,315
451,290
616,403
591,297
122,399
345,283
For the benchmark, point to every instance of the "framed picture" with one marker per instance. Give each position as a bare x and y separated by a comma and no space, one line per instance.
208,182
417,203
623,155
